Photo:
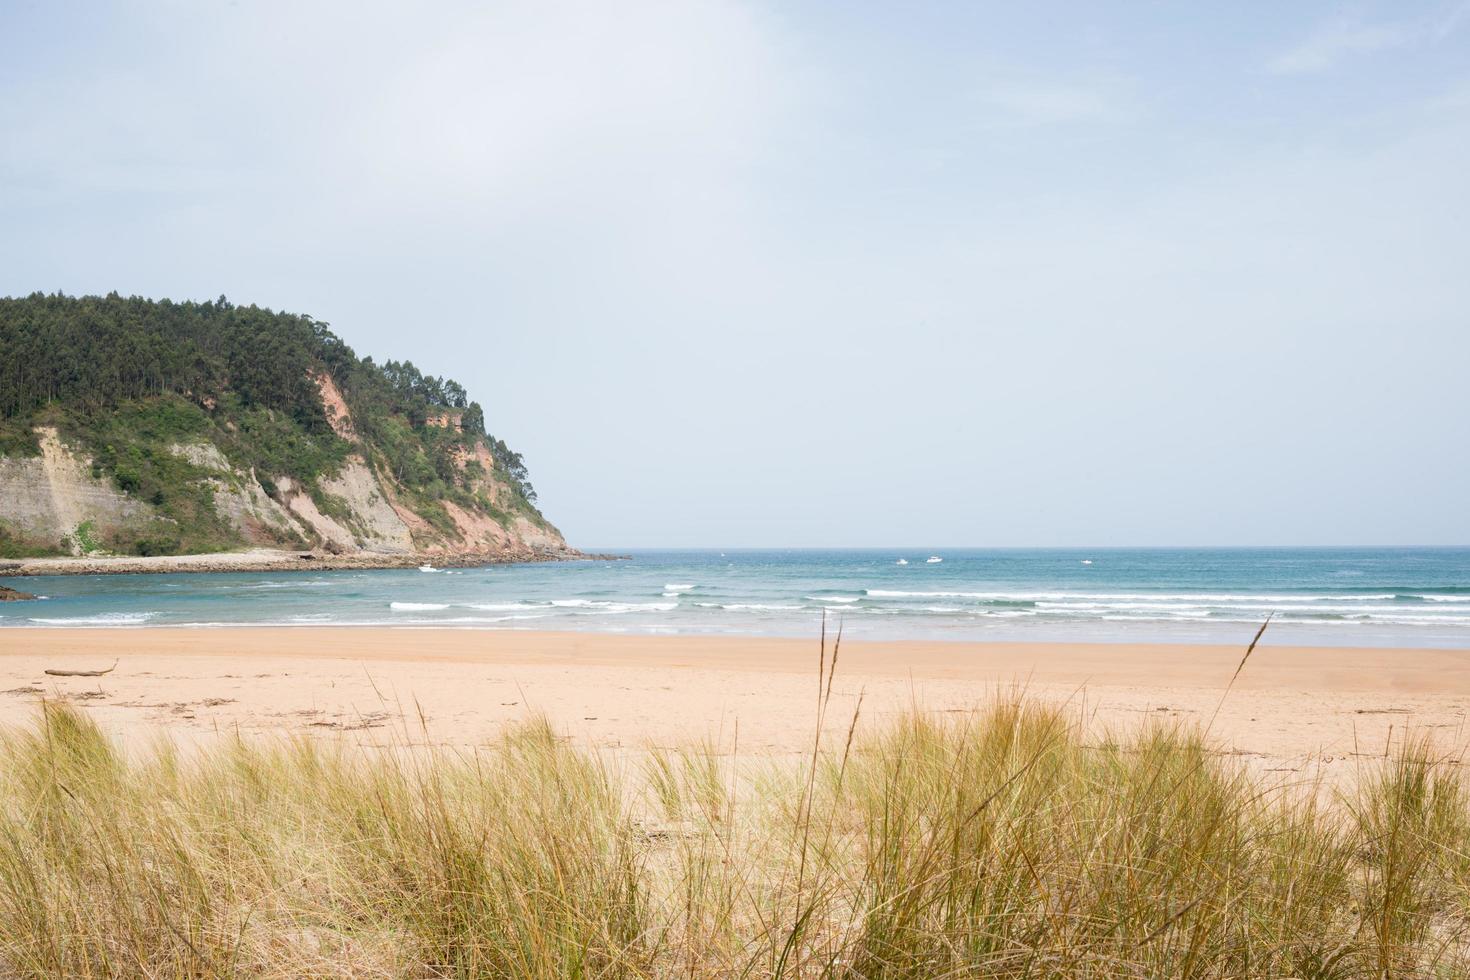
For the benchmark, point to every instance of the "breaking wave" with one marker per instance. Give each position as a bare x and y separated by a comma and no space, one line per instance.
100,619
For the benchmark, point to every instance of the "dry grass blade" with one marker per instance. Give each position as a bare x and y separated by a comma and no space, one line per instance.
1238,668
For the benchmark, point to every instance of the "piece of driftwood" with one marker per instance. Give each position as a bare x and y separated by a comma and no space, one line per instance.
83,673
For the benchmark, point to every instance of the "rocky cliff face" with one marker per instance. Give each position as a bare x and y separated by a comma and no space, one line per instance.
49,499
59,503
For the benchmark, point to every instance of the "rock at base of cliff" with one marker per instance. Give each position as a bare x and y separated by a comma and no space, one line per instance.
10,595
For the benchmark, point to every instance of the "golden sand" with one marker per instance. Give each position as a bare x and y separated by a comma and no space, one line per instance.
1292,707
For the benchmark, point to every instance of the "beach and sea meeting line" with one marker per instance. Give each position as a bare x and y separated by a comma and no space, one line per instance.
1399,597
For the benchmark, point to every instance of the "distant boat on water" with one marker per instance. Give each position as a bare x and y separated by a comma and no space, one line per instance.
902,561
1087,561
933,560
427,568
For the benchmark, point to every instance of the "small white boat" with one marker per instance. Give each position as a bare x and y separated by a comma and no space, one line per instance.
427,568
902,561
933,560
1087,561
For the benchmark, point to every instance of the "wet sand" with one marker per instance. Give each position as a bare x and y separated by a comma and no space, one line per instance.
1292,708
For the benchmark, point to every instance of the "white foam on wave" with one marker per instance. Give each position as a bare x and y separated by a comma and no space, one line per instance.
1253,608
1053,606
418,606
1211,597
677,587
1431,598
1333,608
609,606
833,598
101,619
502,606
1400,619
486,619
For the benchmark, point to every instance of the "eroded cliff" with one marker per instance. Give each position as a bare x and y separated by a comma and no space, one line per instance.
149,429
55,503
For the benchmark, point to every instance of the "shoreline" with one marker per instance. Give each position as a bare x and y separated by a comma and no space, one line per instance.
273,560
1292,708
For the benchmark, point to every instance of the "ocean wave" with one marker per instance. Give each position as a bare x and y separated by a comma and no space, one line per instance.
489,619
437,621
1130,618
1210,597
503,606
677,587
418,606
1409,620
609,606
100,619
1057,606
834,598
1367,610
1250,608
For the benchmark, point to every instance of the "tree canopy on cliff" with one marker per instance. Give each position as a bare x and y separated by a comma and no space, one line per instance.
128,374
94,352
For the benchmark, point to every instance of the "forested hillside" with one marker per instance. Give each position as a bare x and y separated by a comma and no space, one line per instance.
209,426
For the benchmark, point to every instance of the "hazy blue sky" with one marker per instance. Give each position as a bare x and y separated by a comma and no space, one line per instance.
818,274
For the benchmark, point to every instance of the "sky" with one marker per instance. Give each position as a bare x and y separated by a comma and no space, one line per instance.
817,274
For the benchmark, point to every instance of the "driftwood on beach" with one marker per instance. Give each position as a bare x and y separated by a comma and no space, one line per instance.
83,673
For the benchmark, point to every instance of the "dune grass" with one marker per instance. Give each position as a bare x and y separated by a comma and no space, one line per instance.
1004,843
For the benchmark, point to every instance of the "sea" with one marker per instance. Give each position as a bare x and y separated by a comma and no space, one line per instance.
1401,597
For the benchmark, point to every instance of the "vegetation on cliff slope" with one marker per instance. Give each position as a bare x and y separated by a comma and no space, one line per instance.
127,379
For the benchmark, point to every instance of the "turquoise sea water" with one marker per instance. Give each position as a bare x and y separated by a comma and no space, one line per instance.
1339,596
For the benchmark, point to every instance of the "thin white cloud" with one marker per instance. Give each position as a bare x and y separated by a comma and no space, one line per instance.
1345,37
1330,44
1451,21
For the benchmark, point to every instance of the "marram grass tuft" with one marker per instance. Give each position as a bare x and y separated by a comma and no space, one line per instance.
1002,843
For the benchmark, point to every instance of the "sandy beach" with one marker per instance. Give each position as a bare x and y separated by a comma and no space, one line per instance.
1292,707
